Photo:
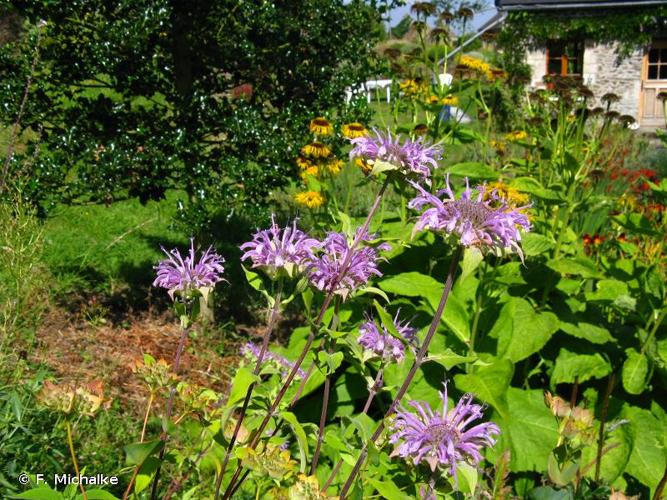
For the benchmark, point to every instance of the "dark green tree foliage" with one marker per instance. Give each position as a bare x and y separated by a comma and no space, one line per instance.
135,97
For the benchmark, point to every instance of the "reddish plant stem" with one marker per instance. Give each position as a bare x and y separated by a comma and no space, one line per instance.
311,336
170,406
371,395
419,359
273,319
325,397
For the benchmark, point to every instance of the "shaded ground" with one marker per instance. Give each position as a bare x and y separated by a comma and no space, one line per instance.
81,352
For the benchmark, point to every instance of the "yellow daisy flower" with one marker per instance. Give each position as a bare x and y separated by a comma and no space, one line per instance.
477,65
353,130
320,126
310,199
451,100
499,146
312,171
316,150
334,165
513,196
432,99
303,163
517,135
363,165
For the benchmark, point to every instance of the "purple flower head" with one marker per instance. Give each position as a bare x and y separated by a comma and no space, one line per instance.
325,268
282,363
442,439
177,274
408,156
277,249
484,220
384,344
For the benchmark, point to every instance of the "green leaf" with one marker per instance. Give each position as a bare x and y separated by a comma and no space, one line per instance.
570,365
549,493
578,266
607,291
530,430
331,360
634,372
536,244
473,170
649,456
489,383
636,223
449,359
615,460
145,474
415,284
242,380
97,494
387,489
41,493
137,453
521,331
592,333
411,284
382,166
467,477
472,258
300,434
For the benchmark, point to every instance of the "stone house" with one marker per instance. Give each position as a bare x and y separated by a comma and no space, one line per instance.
637,79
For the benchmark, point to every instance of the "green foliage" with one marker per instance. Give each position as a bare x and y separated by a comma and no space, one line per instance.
135,98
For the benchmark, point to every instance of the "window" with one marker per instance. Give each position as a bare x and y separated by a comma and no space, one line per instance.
566,58
657,64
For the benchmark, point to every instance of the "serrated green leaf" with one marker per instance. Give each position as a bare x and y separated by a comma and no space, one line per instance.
536,244
570,366
593,333
530,431
578,266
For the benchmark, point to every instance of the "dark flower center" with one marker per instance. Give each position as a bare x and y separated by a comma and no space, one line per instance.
441,432
475,212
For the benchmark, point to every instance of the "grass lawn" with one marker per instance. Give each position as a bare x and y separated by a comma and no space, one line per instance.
100,248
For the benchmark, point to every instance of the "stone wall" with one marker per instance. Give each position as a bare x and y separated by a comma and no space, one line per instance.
603,73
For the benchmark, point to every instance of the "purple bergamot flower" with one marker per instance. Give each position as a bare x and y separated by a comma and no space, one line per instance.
442,439
485,220
407,156
282,363
384,344
177,274
325,268
279,249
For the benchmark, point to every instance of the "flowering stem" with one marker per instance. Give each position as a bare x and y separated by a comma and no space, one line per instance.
170,402
311,337
419,359
70,443
371,395
273,319
325,396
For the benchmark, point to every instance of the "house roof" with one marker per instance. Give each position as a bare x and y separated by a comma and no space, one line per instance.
573,4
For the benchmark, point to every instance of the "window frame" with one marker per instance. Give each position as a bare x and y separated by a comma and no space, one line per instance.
579,48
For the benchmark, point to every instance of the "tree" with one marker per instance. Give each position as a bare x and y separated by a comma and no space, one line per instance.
135,97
